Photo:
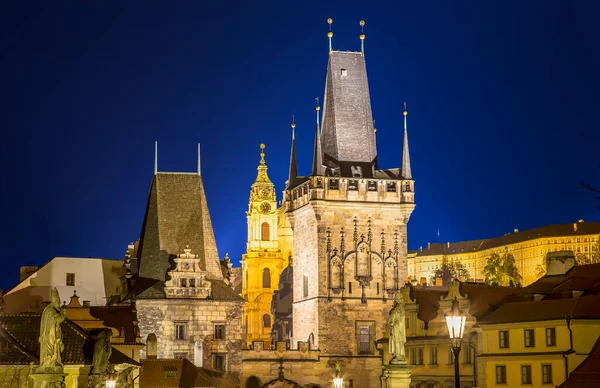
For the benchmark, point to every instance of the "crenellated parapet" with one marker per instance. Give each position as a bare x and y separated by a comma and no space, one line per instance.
350,189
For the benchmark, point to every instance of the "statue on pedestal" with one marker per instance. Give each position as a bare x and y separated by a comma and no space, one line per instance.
51,345
101,368
397,329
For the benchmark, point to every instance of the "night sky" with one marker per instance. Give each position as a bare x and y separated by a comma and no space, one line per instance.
503,109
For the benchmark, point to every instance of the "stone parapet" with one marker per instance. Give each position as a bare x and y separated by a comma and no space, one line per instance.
257,351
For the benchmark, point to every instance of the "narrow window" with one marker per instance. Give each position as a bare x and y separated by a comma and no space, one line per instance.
526,374
220,331
529,338
503,339
264,231
344,72
406,323
468,354
183,282
500,374
266,278
349,287
433,355
377,288
180,331
305,285
219,362
70,279
550,336
192,283
546,374
364,345
267,320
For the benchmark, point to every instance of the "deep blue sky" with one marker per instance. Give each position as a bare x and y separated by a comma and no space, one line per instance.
503,102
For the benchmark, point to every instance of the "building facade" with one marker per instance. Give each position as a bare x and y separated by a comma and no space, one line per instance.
528,247
349,222
268,249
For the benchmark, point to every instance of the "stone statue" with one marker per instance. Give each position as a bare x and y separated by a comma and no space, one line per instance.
51,345
102,352
125,378
397,330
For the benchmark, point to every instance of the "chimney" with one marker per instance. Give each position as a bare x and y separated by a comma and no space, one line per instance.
428,245
448,244
574,227
516,230
421,248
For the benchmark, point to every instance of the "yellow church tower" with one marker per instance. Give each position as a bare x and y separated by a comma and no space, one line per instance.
267,254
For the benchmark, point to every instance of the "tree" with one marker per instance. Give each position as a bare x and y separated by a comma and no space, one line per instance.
448,271
502,270
592,189
592,257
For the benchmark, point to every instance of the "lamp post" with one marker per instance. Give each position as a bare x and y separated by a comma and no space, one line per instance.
111,382
338,381
456,328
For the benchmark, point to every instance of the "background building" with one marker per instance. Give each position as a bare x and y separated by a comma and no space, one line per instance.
528,247
268,249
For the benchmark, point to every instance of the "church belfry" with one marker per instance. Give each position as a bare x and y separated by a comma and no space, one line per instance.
264,259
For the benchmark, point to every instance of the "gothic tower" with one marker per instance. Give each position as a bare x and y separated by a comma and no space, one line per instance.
349,221
267,253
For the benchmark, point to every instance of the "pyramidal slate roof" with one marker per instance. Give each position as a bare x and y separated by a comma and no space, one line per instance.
177,217
347,130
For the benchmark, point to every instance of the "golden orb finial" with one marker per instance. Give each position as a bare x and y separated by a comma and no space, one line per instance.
329,20
262,146
330,34
362,23
362,36
405,113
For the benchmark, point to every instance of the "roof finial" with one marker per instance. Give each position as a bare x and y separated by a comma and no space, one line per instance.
406,170
262,153
330,33
293,129
155,157
293,174
362,36
199,170
318,108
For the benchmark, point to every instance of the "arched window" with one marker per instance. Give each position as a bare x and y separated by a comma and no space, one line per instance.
264,231
266,278
266,320
151,346
198,354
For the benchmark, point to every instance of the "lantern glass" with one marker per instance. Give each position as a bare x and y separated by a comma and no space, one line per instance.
338,382
111,383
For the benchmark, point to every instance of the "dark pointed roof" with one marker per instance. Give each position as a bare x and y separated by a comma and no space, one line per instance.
406,171
347,134
317,166
293,164
176,217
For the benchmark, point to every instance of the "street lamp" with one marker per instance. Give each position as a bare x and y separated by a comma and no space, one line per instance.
111,382
456,328
338,381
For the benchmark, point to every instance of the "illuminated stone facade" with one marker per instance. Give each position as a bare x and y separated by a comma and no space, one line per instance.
528,247
268,249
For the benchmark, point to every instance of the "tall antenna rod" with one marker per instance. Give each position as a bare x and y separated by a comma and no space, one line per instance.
155,157
199,169
330,33
362,36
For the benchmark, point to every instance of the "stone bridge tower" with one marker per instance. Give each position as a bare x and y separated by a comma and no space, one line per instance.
349,221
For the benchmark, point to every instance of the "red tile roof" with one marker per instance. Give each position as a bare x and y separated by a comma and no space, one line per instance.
587,374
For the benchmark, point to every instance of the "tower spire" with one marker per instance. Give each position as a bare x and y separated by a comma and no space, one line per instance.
155,157
362,36
406,172
293,166
330,33
317,166
199,169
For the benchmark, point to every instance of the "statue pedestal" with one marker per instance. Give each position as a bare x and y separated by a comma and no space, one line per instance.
397,375
48,378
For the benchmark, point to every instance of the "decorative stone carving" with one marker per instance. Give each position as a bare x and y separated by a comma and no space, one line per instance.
187,280
51,345
397,330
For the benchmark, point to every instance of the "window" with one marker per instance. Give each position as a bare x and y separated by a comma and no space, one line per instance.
264,231
546,374
305,285
352,185
183,282
219,362
334,184
180,355
500,374
364,342
70,279
433,355
192,283
349,287
416,356
503,339
180,331
266,320
468,354
344,72
170,372
550,336
266,278
529,338
406,322
525,374
391,187
219,331
377,288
